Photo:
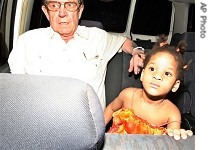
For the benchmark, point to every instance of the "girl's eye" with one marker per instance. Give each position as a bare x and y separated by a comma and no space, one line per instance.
151,69
168,74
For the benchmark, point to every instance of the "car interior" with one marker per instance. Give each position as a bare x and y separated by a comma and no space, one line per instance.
49,120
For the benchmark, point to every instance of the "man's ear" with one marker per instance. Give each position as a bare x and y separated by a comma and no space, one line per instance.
142,75
176,86
80,11
44,9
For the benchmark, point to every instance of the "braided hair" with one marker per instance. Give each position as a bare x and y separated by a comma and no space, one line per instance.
177,52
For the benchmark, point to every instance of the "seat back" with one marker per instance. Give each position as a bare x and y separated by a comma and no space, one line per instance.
186,100
91,23
118,77
44,112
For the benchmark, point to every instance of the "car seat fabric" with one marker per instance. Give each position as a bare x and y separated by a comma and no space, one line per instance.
118,77
175,39
129,78
189,78
113,80
46,112
91,23
147,142
183,99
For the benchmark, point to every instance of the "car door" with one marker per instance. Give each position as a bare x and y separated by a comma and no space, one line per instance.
15,18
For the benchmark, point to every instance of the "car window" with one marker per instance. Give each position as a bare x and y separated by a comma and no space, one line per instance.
112,14
152,17
38,19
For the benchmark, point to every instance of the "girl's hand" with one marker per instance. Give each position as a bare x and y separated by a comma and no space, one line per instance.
179,133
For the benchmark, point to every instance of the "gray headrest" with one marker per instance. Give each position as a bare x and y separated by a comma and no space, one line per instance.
45,112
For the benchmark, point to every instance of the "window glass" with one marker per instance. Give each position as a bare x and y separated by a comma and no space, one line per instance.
152,17
38,19
112,14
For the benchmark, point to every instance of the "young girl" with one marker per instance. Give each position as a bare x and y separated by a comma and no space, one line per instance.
147,110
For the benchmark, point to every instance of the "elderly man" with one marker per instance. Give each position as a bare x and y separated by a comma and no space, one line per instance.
69,50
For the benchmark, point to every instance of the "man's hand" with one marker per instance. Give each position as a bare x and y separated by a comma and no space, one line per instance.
136,62
179,133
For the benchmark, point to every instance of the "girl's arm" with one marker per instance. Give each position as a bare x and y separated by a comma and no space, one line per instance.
116,104
173,126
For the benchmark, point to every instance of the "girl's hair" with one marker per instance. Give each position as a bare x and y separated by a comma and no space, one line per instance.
176,52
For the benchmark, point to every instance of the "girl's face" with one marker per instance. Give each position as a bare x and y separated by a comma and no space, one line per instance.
160,75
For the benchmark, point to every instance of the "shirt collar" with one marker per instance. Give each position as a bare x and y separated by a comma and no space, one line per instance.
79,33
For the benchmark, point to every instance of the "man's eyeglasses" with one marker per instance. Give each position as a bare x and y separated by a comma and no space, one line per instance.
70,6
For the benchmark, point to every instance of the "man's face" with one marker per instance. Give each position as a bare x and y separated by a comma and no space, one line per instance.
61,19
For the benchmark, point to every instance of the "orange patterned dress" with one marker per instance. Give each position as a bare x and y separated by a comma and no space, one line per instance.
125,121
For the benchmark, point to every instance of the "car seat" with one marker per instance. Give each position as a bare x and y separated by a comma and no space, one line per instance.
91,23
46,112
186,100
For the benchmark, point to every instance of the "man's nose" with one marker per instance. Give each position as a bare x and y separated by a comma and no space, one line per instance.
62,11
